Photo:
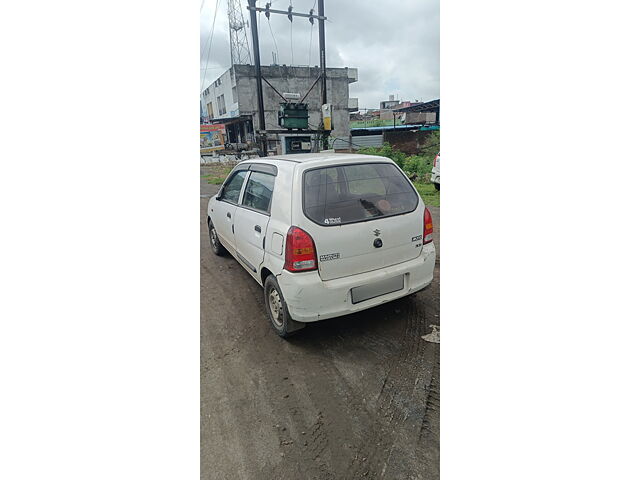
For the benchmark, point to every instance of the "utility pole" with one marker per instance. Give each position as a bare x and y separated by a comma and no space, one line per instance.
267,10
256,56
323,59
323,65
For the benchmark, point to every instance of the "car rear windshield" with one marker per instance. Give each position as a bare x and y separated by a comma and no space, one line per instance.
355,193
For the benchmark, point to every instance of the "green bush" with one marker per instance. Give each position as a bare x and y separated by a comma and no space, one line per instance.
429,194
432,148
418,165
386,151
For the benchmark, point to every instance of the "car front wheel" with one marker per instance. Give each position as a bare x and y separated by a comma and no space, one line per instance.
214,240
277,309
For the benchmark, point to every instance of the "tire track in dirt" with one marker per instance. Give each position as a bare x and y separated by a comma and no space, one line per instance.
399,406
324,407
430,429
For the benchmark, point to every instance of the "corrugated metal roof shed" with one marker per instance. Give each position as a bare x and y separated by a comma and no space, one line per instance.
387,127
432,106
343,143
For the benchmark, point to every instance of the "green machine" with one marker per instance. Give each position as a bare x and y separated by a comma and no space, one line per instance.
293,115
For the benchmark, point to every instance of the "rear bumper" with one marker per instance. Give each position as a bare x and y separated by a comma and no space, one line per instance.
309,299
435,178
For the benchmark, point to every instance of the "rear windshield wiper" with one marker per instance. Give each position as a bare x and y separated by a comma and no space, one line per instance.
371,208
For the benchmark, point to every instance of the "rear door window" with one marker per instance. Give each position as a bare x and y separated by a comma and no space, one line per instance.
356,193
258,192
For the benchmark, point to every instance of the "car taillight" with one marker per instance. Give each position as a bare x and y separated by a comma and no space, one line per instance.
427,231
435,161
300,251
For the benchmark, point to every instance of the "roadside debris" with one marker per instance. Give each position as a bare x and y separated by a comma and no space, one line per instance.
434,336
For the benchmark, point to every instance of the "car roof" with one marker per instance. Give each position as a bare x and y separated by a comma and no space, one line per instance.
314,159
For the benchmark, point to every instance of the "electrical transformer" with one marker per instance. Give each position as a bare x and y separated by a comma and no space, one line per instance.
293,115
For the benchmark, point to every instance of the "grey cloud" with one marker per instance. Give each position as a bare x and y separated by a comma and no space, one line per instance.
394,44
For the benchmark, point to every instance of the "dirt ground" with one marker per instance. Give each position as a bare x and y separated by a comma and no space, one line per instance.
352,397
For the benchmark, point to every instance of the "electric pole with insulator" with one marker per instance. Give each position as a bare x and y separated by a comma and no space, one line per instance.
292,114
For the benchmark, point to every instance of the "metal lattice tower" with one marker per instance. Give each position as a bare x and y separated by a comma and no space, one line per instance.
240,53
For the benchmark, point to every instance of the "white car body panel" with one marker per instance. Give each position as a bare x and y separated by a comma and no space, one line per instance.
353,240
249,239
326,292
223,218
310,299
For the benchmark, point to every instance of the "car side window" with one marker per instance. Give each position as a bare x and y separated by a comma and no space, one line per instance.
259,190
231,191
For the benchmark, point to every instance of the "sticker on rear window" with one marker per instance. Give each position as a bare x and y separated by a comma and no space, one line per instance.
332,221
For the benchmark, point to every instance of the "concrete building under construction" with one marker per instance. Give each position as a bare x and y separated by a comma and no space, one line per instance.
232,100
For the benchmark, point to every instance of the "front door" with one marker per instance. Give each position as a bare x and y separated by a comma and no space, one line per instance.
252,219
225,207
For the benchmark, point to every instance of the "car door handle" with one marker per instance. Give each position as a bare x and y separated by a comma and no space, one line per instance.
257,228
228,214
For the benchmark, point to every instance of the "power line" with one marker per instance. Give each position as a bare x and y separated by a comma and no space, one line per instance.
215,14
311,37
203,50
292,44
274,39
310,42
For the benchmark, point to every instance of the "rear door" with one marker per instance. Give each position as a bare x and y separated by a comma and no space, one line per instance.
362,217
252,216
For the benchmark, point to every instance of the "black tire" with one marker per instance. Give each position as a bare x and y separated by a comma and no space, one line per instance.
214,241
274,302
437,185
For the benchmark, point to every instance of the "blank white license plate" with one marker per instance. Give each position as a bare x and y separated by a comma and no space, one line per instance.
372,290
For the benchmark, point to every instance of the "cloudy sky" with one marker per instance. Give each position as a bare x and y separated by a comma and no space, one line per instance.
395,45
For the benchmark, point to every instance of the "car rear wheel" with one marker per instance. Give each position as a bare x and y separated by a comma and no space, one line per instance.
277,310
214,240
437,185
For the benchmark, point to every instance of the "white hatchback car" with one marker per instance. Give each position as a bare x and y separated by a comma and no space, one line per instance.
325,234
